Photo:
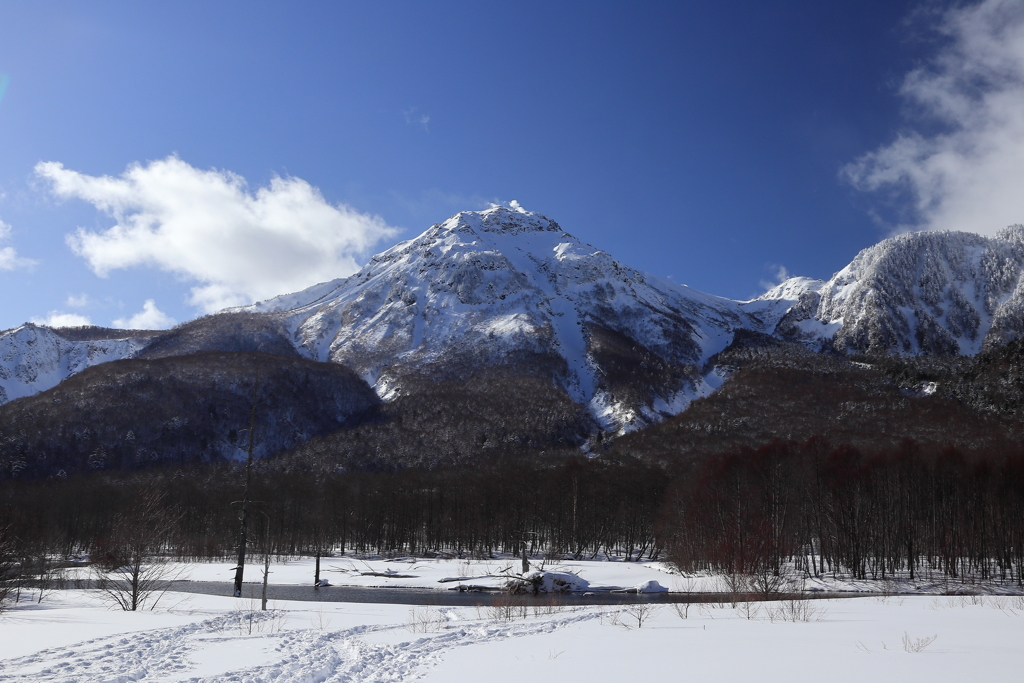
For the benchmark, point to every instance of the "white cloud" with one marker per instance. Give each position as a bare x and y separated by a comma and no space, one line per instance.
513,204
149,318
969,176
59,319
207,227
9,259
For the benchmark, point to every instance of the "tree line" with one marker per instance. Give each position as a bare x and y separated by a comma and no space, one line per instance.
867,514
820,508
579,506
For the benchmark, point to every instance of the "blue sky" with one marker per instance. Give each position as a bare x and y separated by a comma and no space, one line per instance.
157,158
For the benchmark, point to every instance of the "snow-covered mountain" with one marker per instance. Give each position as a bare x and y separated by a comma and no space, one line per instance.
508,290
34,358
927,292
510,287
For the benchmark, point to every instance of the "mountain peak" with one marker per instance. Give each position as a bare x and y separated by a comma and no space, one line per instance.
792,289
506,286
503,220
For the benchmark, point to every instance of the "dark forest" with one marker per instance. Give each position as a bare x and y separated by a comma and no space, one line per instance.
812,506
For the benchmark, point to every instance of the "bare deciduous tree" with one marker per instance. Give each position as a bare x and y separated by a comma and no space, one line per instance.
131,574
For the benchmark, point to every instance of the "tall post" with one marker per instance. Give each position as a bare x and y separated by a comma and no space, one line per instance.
266,558
266,575
244,515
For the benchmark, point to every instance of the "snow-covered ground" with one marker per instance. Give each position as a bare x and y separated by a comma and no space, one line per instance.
74,636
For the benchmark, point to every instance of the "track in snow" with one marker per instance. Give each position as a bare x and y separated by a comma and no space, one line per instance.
302,656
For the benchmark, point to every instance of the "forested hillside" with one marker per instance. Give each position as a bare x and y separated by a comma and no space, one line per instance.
781,390
186,410
488,416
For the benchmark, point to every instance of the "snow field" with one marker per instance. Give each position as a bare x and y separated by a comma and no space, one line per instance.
210,639
854,640
74,636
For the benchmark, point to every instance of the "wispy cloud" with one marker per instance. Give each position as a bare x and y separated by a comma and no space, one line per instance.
61,319
78,300
149,318
412,116
206,226
968,175
436,205
779,275
9,259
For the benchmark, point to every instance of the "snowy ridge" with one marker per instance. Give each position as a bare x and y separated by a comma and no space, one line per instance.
791,289
935,293
485,286
34,359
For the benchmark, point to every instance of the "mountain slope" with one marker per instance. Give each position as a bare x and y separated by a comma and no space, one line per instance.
919,293
781,390
454,423
510,288
186,409
35,358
